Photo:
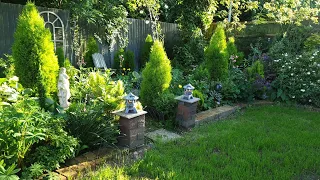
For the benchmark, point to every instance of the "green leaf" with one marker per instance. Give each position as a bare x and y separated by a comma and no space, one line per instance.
279,93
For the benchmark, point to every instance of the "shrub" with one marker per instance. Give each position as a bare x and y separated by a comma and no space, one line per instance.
298,78
35,62
96,86
255,70
91,124
9,90
129,60
177,82
166,104
60,55
191,53
312,42
6,66
291,42
217,56
118,60
30,135
233,53
92,47
156,77
145,52
199,95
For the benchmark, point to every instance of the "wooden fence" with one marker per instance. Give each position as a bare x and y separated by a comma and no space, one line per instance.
9,14
138,31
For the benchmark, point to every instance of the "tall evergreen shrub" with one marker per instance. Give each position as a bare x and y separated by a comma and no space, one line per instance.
129,60
92,48
156,76
217,56
146,51
34,59
60,55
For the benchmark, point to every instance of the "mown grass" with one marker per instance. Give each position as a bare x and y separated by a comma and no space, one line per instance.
269,142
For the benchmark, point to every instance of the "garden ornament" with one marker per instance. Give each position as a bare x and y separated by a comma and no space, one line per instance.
63,88
130,103
218,87
188,89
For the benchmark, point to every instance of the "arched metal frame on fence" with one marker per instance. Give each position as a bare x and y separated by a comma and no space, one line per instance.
52,20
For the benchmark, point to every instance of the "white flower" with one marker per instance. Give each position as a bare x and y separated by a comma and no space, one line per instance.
300,56
310,100
166,6
302,90
14,78
291,74
293,97
312,57
289,67
141,12
308,73
286,54
147,21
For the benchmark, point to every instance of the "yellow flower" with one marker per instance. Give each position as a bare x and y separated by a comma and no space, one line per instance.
124,69
122,74
129,69
180,86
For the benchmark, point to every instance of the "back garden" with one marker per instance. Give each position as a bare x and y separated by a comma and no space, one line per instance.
54,109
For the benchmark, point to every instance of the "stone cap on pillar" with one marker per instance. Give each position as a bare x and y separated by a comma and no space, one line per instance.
193,100
129,115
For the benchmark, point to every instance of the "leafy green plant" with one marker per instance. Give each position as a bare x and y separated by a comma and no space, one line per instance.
312,42
257,69
199,95
6,66
291,41
30,135
189,54
129,60
166,104
34,60
92,47
10,173
119,59
9,90
145,52
91,124
60,55
235,56
95,86
298,78
217,56
155,80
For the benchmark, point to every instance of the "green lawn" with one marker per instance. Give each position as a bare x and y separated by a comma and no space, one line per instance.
268,142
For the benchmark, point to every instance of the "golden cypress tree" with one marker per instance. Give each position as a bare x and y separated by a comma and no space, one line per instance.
216,55
156,76
35,62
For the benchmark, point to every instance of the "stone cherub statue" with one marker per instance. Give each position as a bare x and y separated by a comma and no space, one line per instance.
63,88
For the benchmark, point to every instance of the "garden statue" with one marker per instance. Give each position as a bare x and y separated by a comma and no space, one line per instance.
130,103
63,88
188,89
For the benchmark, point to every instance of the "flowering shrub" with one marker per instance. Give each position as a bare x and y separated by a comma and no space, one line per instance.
298,78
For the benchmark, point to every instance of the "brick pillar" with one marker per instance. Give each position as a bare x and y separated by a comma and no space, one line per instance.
132,126
186,113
